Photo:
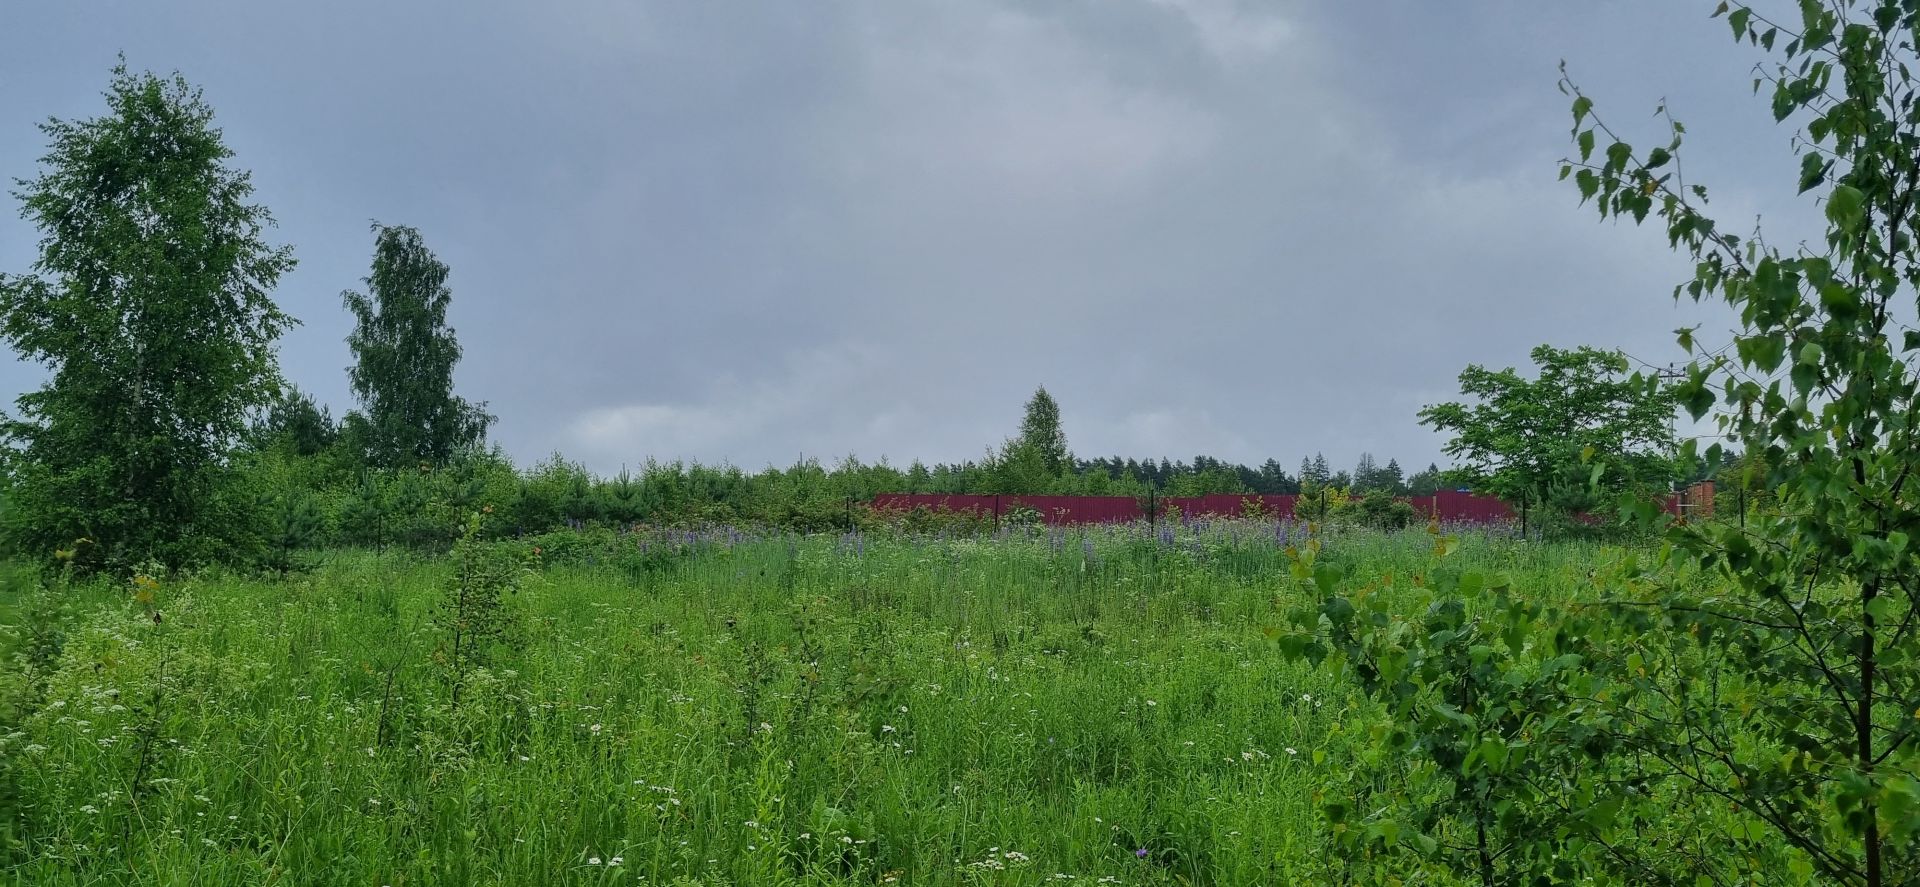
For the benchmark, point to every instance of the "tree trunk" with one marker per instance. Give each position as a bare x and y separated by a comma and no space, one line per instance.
1863,732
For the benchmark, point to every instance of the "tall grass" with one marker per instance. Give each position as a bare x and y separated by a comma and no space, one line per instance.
1041,707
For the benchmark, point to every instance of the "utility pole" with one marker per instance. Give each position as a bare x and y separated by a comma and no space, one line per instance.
1674,373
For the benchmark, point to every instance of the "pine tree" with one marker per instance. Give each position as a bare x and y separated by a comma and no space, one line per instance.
404,357
294,421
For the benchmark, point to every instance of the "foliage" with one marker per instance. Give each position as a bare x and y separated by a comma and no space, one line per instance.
295,524
150,308
1041,433
1815,623
295,423
1057,684
1425,482
1519,437
1370,476
1377,510
404,354
475,618
1213,480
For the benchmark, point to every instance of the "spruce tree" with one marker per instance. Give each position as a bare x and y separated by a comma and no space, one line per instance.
1366,474
1392,478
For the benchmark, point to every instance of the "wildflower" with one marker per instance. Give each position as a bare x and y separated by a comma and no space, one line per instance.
1140,853
1151,702
886,728
89,808
595,729
1292,751
593,860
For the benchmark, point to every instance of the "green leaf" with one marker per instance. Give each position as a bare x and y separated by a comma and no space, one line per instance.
1327,578
1698,400
1588,184
1803,377
1658,157
1766,352
1739,20
1585,141
1846,206
1581,105
1811,353
1813,170
1840,300
1618,154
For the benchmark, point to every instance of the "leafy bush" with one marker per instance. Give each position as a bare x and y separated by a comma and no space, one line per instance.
1377,510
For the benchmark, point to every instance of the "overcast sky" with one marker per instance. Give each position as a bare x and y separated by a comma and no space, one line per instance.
746,231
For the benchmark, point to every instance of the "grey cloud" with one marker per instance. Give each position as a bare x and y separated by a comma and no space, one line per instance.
742,231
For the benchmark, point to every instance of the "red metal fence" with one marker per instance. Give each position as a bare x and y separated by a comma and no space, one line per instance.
1453,506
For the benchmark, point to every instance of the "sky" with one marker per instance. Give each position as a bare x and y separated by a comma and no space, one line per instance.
752,232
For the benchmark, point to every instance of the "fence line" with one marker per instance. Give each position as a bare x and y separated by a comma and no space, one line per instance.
1452,506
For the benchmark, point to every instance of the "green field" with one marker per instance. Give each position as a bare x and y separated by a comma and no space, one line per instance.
1038,708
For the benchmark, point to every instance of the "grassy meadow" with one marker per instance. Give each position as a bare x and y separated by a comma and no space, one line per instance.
1037,707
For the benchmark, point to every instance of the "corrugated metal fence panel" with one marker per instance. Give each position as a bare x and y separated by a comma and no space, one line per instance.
1448,505
1232,504
1452,506
1463,507
1060,510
